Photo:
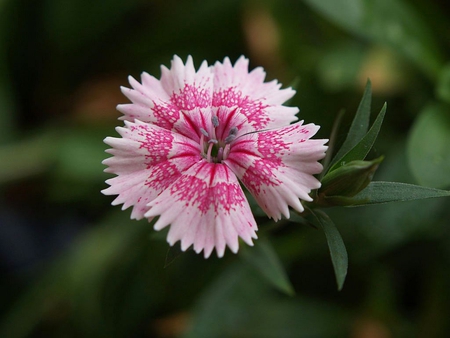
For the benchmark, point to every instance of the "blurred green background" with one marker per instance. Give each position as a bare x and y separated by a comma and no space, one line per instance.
74,266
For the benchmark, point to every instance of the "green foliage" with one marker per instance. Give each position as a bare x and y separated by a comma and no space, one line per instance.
240,304
390,22
360,124
336,246
27,158
79,279
362,148
349,179
443,85
384,192
350,176
265,260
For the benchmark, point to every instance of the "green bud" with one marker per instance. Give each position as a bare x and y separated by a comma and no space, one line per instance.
348,180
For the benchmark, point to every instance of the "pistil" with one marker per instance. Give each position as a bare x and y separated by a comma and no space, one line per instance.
210,147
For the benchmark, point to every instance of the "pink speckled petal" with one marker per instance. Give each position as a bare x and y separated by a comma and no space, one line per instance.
146,160
206,208
190,135
261,102
277,166
162,102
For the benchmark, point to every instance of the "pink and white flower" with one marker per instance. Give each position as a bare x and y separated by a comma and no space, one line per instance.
190,137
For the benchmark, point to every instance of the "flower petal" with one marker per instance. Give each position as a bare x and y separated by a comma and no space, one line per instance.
180,90
206,208
277,166
261,102
147,159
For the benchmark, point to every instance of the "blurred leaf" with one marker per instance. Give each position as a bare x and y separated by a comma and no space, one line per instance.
349,179
429,147
391,22
76,282
360,150
339,67
384,192
359,126
335,245
99,260
80,154
210,320
443,86
78,171
266,262
240,304
26,158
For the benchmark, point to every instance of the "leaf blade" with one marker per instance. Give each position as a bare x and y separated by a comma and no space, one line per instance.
381,192
264,259
360,151
359,126
336,246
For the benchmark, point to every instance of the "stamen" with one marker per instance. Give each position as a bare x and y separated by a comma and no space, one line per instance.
216,151
215,121
233,131
202,139
229,138
226,151
231,135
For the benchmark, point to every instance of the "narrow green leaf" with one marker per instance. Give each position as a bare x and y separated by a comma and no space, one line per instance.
428,147
384,192
359,126
265,260
360,151
326,162
336,246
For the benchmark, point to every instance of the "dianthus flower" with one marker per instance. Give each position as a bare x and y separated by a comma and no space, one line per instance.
190,137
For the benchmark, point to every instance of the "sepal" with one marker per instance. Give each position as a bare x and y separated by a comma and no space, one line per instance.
347,181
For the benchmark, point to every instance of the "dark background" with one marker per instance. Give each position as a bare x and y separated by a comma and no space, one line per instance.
74,266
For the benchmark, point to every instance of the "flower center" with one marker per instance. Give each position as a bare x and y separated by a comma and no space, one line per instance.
214,150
